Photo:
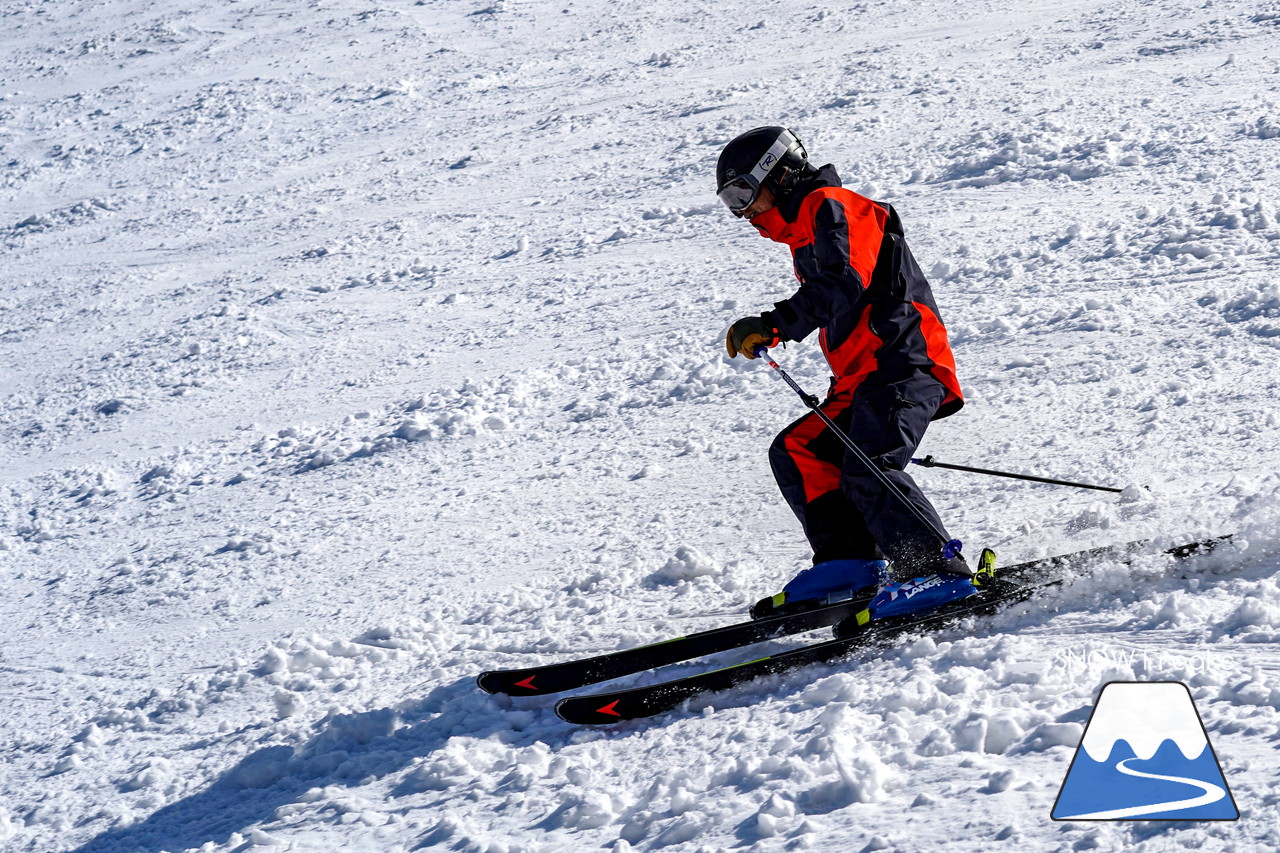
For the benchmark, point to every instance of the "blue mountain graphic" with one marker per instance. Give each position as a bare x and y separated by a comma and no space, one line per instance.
1094,787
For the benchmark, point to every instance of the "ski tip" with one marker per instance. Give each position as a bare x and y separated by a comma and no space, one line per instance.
587,713
564,710
502,681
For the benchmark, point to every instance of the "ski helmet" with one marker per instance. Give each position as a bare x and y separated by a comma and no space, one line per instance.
772,155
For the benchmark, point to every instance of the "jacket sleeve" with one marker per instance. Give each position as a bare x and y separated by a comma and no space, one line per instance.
846,244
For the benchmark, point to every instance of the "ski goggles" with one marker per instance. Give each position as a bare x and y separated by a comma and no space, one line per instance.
740,192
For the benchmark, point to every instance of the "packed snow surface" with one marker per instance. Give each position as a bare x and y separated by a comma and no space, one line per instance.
348,349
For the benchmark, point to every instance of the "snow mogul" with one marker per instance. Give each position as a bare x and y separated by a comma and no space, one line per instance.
893,373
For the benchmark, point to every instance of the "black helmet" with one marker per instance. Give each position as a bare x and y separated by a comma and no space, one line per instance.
772,155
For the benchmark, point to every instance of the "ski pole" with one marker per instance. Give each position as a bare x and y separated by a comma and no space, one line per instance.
929,462
950,547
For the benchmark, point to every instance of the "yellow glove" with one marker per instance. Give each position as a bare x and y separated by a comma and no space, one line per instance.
749,334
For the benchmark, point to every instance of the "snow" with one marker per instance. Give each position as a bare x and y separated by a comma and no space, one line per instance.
351,349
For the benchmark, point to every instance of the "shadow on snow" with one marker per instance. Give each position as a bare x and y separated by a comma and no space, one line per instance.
349,750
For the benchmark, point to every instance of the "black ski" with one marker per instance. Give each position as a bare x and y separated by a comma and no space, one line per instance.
1011,584
558,677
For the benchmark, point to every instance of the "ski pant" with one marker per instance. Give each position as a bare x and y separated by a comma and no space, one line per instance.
845,511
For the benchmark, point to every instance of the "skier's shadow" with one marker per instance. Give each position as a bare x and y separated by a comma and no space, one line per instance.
348,750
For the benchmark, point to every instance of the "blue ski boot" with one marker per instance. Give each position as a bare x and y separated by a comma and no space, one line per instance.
826,583
910,597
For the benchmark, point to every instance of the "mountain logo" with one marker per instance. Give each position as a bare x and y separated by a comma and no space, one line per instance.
1145,755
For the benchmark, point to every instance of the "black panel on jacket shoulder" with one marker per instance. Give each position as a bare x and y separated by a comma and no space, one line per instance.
789,206
831,237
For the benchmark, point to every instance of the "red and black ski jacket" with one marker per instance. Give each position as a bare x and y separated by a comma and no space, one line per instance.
860,287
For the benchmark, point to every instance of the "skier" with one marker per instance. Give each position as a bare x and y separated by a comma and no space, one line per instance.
878,325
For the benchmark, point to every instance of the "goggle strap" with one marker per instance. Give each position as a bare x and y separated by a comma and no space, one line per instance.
772,156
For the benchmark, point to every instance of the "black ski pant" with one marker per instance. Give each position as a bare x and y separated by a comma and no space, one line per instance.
845,511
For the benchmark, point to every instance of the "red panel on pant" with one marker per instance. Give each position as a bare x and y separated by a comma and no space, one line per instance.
819,476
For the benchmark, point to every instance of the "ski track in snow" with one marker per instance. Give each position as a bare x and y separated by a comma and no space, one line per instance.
350,349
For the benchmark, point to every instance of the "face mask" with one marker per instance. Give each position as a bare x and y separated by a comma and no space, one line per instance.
770,223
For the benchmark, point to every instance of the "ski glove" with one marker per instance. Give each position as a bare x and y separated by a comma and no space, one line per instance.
749,334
